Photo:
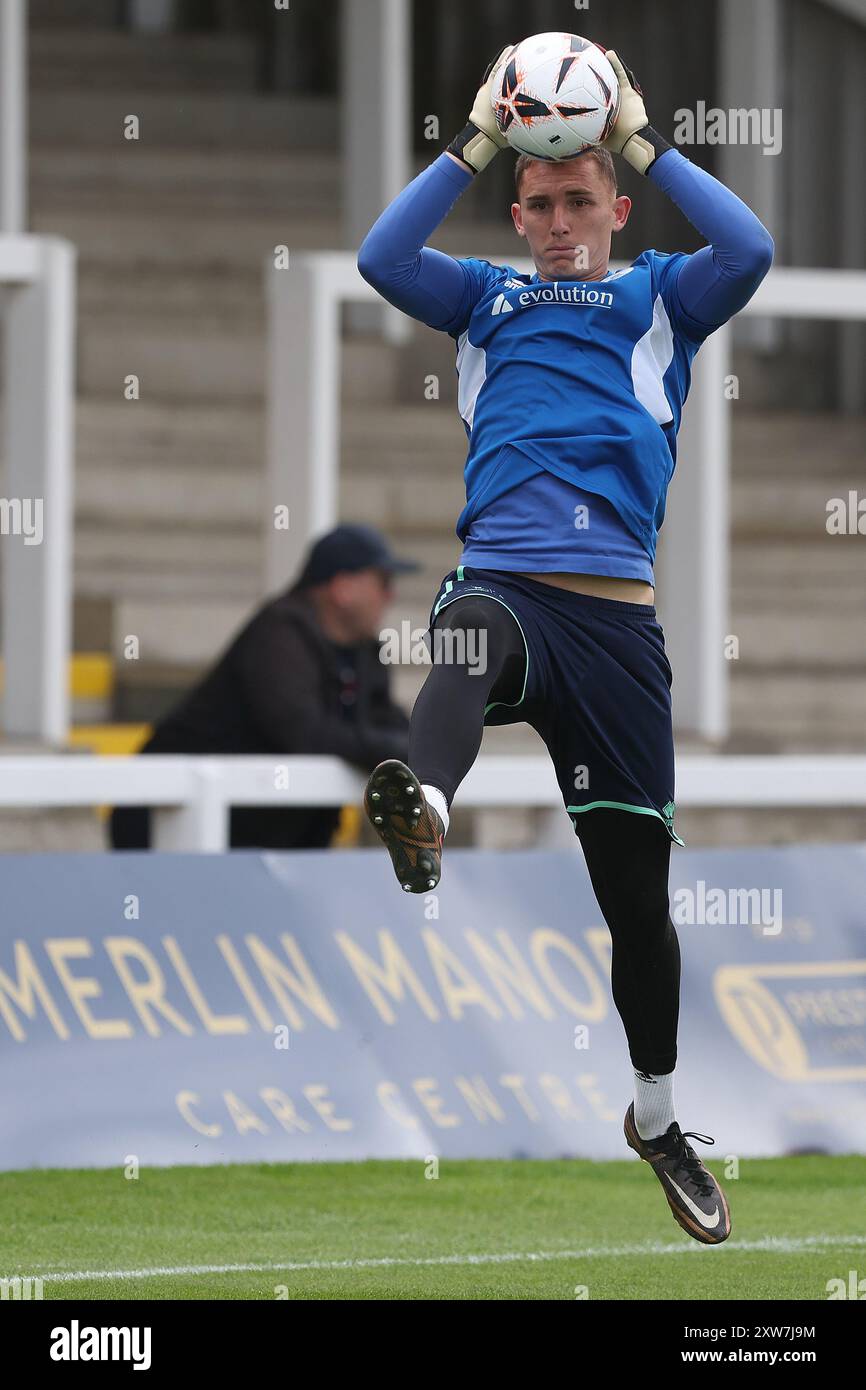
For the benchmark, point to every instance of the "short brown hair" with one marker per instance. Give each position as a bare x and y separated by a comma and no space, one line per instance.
602,157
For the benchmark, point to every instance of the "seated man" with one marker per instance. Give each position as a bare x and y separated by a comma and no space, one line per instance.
303,676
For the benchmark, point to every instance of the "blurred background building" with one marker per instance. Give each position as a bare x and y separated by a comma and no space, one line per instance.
243,118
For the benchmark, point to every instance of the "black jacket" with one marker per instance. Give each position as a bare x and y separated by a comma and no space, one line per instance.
278,688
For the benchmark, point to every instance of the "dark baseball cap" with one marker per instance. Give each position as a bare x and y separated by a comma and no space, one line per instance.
350,547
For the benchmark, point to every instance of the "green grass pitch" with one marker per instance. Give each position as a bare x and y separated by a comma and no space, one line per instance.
480,1230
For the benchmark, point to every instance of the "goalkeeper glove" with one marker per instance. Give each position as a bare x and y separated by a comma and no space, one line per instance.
481,139
632,136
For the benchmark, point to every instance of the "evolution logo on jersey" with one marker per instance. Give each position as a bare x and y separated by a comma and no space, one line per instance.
577,294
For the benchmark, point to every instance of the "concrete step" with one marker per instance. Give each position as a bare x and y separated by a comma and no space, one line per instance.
184,562
826,575
186,238
203,347
403,428
813,641
91,623
178,496
190,634
404,505
173,493
763,507
199,361
788,445
170,295
157,561
163,183
797,711
64,58
127,241
180,119
68,14
137,435
203,353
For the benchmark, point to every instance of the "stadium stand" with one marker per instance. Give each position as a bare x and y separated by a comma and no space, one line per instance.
168,532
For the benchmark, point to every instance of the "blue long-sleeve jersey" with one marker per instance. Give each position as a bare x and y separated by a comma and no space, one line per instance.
571,383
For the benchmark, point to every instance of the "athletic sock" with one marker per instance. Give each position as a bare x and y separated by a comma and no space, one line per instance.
436,799
653,1103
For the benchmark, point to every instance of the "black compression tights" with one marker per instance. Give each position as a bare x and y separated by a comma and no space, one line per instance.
628,857
627,854
448,718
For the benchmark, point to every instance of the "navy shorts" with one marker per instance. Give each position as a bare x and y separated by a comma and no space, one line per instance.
596,688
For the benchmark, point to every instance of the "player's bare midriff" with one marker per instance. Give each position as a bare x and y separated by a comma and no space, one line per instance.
599,586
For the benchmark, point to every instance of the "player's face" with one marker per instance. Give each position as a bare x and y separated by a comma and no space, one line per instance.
362,597
568,213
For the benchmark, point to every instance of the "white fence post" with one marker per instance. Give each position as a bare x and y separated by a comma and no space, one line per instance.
750,44
303,392
39,431
201,825
13,117
376,130
694,548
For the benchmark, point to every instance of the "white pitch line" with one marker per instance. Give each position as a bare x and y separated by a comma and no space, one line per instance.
782,1245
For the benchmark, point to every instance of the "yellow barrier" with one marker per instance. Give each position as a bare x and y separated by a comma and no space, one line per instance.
91,675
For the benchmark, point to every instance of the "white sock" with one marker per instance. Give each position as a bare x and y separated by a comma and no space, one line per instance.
437,801
653,1103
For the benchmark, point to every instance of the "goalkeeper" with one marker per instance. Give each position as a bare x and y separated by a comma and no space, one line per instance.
571,384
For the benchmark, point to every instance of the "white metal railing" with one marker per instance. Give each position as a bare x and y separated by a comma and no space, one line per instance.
13,117
37,284
303,450
37,289
192,795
